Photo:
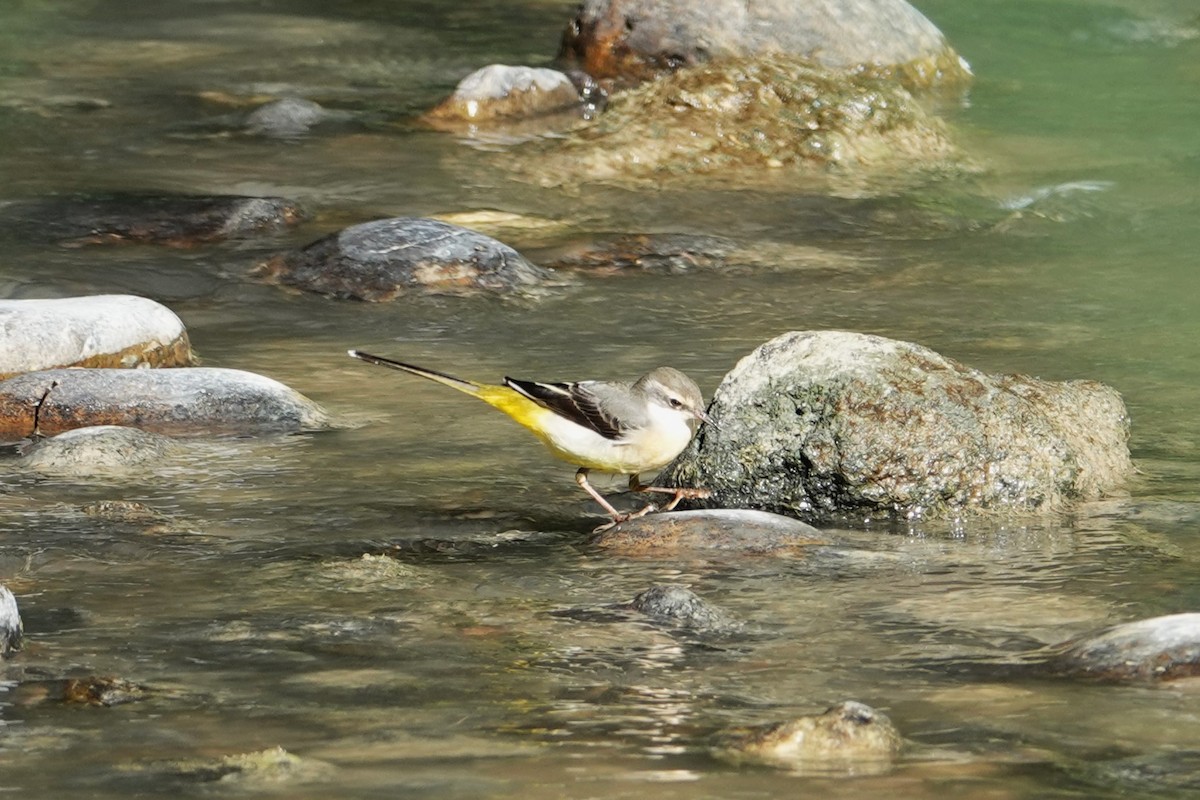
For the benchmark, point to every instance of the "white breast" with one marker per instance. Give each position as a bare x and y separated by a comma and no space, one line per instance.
642,450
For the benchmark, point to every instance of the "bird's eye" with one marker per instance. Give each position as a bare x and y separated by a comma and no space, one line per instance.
675,402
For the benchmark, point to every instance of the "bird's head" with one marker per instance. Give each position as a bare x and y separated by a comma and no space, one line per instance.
674,391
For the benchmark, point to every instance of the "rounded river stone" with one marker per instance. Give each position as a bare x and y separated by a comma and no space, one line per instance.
387,258
96,331
200,400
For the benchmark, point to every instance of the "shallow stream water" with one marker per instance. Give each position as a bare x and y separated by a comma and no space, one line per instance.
437,666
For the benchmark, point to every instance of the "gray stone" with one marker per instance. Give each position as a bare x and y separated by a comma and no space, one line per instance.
193,401
679,606
830,424
387,258
95,331
633,38
1160,648
850,737
286,117
97,449
11,628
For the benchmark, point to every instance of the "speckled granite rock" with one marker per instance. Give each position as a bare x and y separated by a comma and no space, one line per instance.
830,425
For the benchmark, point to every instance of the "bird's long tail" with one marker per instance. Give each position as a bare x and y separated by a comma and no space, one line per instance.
469,387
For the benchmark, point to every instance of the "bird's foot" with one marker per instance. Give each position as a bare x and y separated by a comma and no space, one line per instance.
619,518
683,493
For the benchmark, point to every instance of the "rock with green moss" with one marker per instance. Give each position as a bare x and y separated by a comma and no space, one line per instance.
761,122
632,39
849,738
831,425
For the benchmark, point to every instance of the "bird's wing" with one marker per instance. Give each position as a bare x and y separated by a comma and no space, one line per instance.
579,402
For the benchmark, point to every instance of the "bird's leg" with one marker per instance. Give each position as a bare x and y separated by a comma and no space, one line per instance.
636,485
617,516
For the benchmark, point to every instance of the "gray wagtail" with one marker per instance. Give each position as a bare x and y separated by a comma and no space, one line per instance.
623,428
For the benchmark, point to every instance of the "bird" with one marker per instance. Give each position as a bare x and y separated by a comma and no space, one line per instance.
606,426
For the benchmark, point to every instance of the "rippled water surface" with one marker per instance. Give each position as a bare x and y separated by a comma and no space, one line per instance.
382,600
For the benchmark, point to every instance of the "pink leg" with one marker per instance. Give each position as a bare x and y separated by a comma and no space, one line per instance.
636,485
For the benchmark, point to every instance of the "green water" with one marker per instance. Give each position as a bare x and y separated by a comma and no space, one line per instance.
442,671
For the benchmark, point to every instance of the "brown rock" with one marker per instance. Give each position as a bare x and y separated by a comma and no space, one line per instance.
723,530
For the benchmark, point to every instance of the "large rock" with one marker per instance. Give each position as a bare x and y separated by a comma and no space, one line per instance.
96,331
755,122
387,258
636,38
200,400
177,220
1160,648
829,424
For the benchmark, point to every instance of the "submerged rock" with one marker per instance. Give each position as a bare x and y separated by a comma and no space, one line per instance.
634,39
679,606
109,330
499,93
1160,648
200,400
831,424
286,117
672,253
177,220
382,260
850,737
756,122
725,530
11,628
97,449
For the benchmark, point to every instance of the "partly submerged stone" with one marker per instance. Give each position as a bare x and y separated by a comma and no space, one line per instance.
287,117
716,530
849,738
500,93
95,331
97,449
387,258
1160,648
177,220
680,607
634,39
751,122
831,424
11,628
193,401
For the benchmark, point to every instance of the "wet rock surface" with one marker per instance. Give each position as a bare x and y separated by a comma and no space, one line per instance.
1160,648
192,401
97,449
828,424
633,39
385,259
93,331
175,220
11,628
724,530
850,737
498,93
679,607
754,122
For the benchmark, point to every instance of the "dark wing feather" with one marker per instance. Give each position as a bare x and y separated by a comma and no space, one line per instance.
573,401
